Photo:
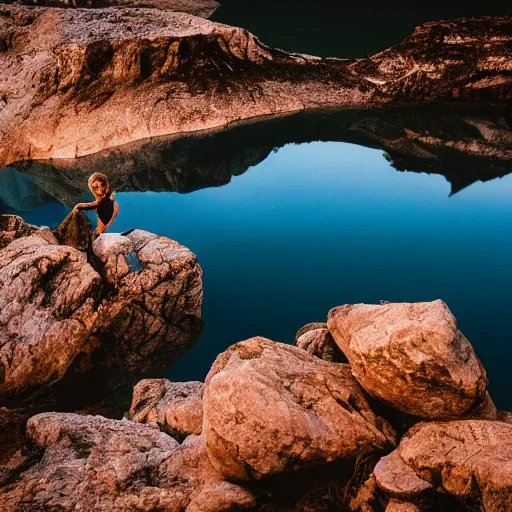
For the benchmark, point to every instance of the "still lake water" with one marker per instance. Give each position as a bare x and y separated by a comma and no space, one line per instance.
320,224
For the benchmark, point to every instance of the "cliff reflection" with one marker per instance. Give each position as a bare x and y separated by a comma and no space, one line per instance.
462,146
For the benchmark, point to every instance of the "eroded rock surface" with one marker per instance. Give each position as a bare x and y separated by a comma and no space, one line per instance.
48,306
93,463
176,407
203,8
411,356
271,408
58,314
63,91
471,460
155,308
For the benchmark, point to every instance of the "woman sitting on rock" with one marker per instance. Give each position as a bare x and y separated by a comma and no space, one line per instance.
105,205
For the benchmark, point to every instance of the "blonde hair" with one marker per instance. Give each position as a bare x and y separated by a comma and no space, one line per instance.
102,178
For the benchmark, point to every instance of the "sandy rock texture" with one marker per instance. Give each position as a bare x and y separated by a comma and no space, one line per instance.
271,408
93,463
56,310
176,407
470,460
411,356
112,76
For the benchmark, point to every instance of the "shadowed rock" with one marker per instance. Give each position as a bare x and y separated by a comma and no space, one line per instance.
75,231
271,408
470,460
113,76
411,356
176,407
316,339
94,463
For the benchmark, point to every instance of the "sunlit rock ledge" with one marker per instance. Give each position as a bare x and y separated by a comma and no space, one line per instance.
406,425
77,81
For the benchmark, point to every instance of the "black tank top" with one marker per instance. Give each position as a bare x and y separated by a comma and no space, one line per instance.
105,209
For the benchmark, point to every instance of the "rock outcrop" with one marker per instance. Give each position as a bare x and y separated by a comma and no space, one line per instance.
411,356
271,408
62,92
13,227
93,463
57,311
470,460
176,407
48,303
155,306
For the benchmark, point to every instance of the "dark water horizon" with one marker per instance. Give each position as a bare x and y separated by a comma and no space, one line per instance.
292,217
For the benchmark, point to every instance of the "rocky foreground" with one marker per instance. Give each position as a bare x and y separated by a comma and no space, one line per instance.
77,81
76,333
383,407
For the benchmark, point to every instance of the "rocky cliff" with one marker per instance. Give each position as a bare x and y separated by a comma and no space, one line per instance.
76,81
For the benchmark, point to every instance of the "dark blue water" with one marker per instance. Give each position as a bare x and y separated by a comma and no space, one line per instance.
321,224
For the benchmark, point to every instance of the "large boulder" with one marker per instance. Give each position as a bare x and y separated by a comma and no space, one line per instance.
176,407
411,356
93,463
470,460
58,314
48,306
271,408
155,306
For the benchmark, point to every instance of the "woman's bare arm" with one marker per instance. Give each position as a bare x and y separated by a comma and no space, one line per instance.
86,206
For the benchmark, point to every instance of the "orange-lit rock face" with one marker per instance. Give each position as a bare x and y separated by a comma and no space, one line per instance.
470,459
271,408
411,356
95,463
76,81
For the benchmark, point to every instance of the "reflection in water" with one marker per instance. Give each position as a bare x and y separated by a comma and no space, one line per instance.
464,147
